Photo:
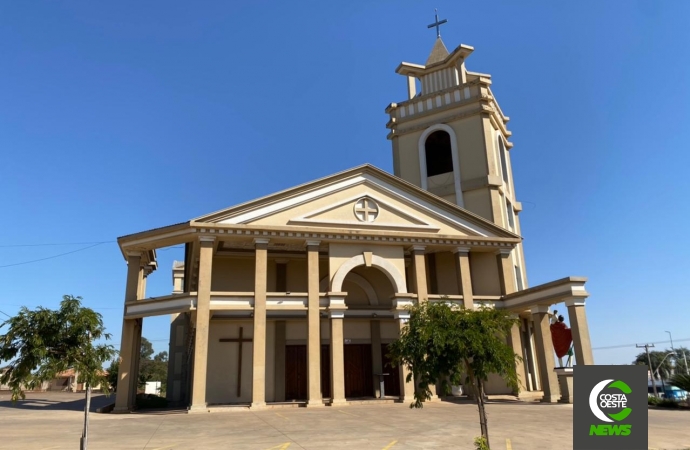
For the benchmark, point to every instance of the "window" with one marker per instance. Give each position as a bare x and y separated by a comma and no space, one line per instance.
281,277
504,162
439,154
518,277
509,214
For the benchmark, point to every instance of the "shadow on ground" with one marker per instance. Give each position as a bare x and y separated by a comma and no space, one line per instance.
55,401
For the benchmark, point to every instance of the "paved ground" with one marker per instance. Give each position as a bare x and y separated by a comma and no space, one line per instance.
54,420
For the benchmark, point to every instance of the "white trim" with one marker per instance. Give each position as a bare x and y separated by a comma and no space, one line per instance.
383,264
454,150
540,309
575,302
153,307
389,189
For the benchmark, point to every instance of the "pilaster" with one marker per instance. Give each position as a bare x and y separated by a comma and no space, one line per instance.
376,355
464,277
420,272
337,314
280,361
401,314
259,356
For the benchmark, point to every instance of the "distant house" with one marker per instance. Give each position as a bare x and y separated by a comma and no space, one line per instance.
67,381
5,387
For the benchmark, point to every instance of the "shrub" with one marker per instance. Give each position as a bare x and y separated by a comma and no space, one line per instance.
668,403
653,400
480,443
150,401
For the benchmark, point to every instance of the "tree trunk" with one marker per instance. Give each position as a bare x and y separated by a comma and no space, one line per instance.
482,412
85,433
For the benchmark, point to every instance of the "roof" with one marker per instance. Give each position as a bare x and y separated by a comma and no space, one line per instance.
438,53
363,169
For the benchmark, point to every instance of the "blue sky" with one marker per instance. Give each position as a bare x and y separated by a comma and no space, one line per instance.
121,117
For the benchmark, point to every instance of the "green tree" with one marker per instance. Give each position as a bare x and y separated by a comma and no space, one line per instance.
682,381
41,343
151,367
113,372
452,345
146,349
664,368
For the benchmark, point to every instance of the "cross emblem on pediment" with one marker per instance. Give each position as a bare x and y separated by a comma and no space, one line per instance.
366,210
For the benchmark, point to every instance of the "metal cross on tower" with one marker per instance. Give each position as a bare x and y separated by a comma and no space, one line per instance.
437,24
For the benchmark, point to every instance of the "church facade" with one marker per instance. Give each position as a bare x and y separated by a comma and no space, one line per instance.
295,297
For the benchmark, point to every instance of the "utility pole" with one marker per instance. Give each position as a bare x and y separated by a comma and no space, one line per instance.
651,368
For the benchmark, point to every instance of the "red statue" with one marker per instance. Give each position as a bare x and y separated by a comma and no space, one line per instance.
562,337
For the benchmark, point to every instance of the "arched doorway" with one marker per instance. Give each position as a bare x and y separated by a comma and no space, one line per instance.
369,296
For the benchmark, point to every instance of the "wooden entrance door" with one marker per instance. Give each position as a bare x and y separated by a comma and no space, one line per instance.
295,372
391,382
358,371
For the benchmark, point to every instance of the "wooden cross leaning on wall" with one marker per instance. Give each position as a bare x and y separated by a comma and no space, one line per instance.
240,341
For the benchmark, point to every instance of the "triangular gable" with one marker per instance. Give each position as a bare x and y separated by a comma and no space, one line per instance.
331,202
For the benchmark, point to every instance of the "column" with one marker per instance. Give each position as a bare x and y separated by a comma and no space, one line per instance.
259,354
506,274
545,356
337,314
580,330
420,272
203,316
313,327
126,375
376,355
464,277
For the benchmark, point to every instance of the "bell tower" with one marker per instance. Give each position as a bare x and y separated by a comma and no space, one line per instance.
450,137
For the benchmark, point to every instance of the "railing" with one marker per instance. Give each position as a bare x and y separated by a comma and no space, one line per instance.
425,103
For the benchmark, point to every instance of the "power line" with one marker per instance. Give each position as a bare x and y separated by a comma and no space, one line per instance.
611,347
52,257
50,245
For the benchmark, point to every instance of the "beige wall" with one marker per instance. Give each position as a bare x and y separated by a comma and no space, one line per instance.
446,277
233,274
484,271
357,330
221,376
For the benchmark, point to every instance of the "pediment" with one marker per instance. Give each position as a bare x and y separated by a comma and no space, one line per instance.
368,210
363,198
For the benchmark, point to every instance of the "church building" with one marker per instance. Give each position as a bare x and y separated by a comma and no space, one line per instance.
295,297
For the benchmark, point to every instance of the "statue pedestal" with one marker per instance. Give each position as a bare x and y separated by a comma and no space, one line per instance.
565,382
